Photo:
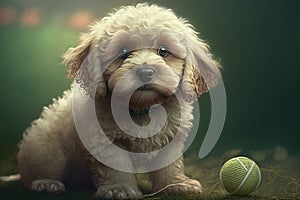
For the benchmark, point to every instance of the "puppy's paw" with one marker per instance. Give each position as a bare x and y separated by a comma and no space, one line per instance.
48,185
117,191
188,186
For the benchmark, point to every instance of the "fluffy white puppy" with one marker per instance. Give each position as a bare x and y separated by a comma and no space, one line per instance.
173,61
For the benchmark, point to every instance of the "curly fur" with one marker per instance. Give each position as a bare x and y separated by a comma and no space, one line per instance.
50,147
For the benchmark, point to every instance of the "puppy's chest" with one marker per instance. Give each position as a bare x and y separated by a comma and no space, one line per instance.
142,134
131,132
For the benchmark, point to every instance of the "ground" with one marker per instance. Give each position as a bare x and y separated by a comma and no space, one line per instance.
280,180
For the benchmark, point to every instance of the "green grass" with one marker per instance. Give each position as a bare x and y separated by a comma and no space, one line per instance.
278,182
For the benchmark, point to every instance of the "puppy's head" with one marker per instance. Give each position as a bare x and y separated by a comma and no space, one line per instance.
145,52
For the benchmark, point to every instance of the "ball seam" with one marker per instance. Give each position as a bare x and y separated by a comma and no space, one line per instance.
259,179
245,178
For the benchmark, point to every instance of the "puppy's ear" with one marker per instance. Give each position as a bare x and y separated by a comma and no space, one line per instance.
201,71
84,65
75,56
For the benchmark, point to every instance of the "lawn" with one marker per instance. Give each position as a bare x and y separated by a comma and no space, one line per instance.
278,181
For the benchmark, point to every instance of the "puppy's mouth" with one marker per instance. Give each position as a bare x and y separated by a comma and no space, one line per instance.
148,86
146,96
152,88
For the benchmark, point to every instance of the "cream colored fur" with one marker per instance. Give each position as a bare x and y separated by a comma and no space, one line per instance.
50,148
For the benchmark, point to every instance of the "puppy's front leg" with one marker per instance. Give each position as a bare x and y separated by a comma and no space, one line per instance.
174,174
111,183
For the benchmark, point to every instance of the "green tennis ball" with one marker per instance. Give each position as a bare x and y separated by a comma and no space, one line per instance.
240,176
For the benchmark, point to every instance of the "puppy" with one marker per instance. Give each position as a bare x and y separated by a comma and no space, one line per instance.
141,55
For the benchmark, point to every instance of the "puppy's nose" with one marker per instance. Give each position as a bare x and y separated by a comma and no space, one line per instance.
145,73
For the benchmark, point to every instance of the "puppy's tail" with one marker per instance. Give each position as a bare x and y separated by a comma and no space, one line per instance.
10,178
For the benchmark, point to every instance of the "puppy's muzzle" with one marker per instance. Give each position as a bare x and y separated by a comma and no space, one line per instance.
145,73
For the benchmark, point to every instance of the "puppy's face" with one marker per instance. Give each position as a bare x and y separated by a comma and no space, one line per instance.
144,64
146,53
148,75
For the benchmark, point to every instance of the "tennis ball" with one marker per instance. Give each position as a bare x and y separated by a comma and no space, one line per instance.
240,176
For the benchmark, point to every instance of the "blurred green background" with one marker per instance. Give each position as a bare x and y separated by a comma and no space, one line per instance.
256,41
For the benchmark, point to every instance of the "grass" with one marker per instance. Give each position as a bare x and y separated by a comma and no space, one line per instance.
278,182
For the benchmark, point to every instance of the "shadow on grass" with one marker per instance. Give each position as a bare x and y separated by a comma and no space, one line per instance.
16,190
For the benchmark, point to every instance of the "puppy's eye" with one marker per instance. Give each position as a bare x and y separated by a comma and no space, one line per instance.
123,53
163,51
